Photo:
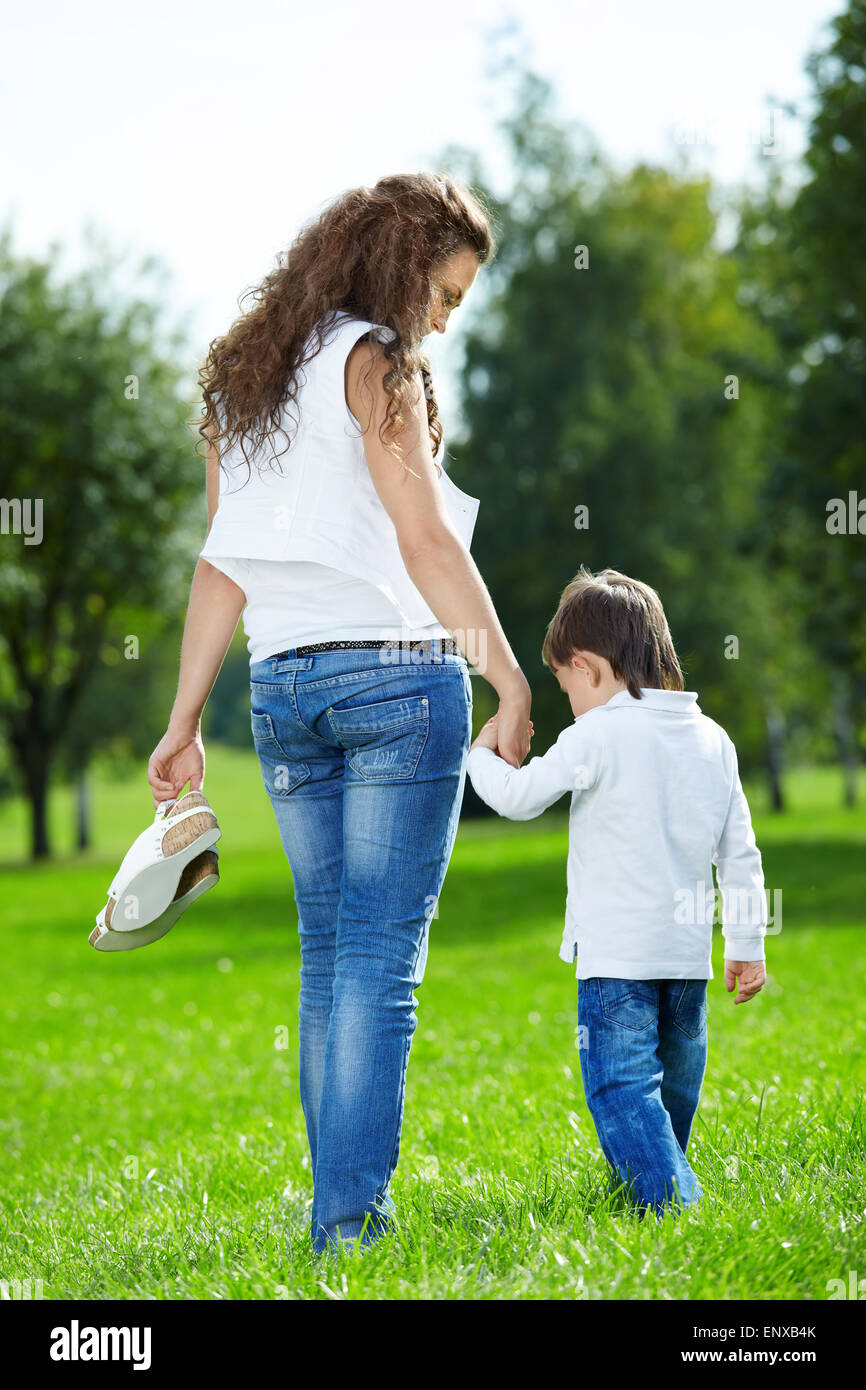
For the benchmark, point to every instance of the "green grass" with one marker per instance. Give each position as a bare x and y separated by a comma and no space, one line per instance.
153,1143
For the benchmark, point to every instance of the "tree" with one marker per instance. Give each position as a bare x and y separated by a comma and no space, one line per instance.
606,424
801,255
97,473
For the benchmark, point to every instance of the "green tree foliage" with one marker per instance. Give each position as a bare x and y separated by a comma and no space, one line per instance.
92,431
801,255
613,368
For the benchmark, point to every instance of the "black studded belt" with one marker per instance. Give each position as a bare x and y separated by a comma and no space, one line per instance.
426,644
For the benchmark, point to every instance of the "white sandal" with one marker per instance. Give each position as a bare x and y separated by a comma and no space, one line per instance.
167,868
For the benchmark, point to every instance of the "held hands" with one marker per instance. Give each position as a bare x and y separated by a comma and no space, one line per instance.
489,735
486,738
178,758
751,974
512,724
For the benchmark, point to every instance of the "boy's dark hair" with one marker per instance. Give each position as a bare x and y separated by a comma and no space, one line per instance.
620,619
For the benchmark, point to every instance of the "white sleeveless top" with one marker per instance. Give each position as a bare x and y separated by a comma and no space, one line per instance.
311,545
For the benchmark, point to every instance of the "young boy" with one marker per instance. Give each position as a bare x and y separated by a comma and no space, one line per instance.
656,800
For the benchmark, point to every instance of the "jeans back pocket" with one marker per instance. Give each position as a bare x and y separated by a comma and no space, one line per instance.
280,773
384,740
691,1010
633,1004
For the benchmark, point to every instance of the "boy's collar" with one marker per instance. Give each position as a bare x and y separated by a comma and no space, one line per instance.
671,701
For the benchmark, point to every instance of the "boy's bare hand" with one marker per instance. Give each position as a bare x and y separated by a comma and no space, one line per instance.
751,974
488,736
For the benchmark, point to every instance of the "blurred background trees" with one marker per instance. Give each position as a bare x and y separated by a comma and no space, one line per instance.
92,442
635,394
800,256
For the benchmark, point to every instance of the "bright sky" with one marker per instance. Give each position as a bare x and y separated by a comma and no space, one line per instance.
206,132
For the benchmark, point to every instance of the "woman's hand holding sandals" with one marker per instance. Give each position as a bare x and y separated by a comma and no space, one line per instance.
178,758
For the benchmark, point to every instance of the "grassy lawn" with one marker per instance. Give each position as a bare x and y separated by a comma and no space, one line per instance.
153,1143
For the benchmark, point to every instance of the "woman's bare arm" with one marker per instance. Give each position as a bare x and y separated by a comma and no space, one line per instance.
215,604
437,561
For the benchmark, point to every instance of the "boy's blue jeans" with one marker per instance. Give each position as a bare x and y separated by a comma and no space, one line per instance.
643,1054
364,761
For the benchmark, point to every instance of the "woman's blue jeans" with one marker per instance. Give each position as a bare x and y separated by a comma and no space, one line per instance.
363,755
643,1055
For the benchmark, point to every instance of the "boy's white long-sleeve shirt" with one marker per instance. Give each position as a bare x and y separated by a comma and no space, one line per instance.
656,801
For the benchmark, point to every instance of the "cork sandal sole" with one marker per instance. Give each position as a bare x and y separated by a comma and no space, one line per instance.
150,892
198,876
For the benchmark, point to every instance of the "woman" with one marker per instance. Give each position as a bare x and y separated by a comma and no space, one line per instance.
352,559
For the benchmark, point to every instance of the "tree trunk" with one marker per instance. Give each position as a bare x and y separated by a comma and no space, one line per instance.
34,753
775,751
37,790
82,810
846,739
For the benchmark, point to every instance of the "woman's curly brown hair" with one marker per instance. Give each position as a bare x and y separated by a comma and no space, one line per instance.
373,253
